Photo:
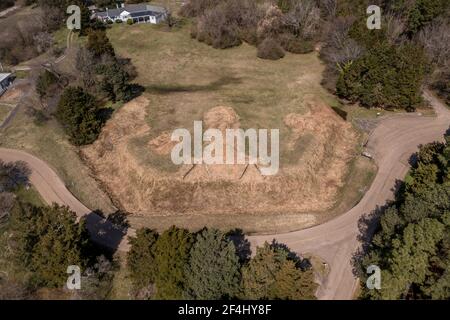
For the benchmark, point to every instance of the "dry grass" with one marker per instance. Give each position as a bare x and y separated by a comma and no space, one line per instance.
4,112
186,81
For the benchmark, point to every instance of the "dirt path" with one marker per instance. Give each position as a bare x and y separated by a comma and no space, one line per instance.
391,143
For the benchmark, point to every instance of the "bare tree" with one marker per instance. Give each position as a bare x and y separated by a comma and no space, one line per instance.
329,7
271,24
435,38
339,48
395,26
85,64
303,20
43,41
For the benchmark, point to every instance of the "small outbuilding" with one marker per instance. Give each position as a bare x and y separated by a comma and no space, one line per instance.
5,81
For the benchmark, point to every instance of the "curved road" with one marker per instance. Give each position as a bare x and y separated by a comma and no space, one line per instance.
391,144
53,190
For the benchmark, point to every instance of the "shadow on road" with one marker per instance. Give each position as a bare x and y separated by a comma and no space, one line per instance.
104,232
367,226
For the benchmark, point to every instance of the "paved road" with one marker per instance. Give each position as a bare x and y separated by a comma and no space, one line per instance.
391,143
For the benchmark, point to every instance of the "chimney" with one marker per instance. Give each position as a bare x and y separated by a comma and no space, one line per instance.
123,5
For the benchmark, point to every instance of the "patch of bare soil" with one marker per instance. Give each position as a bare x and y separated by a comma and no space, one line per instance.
309,185
162,144
13,94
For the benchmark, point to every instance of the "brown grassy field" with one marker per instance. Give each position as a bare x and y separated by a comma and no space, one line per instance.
185,80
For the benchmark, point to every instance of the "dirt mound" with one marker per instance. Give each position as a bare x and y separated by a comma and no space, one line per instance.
141,187
162,144
221,118
13,94
326,160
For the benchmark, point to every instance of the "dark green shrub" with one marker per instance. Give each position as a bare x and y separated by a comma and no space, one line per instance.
78,113
98,43
296,45
386,77
44,82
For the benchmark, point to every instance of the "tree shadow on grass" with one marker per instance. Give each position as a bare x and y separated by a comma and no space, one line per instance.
176,88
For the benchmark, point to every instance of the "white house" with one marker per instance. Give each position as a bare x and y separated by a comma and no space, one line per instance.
5,80
139,13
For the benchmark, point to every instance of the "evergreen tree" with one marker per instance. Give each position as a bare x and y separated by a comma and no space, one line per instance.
141,257
114,81
271,274
214,270
46,241
98,43
172,257
385,77
412,244
78,113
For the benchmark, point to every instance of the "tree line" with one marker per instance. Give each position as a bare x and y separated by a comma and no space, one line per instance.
210,264
39,242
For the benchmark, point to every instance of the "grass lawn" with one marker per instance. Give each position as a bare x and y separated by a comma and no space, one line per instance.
30,195
184,78
4,112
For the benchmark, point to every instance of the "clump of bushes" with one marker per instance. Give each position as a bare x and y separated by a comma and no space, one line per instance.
223,24
270,49
130,22
296,45
212,265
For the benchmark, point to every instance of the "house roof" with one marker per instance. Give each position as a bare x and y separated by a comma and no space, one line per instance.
4,76
135,10
144,13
